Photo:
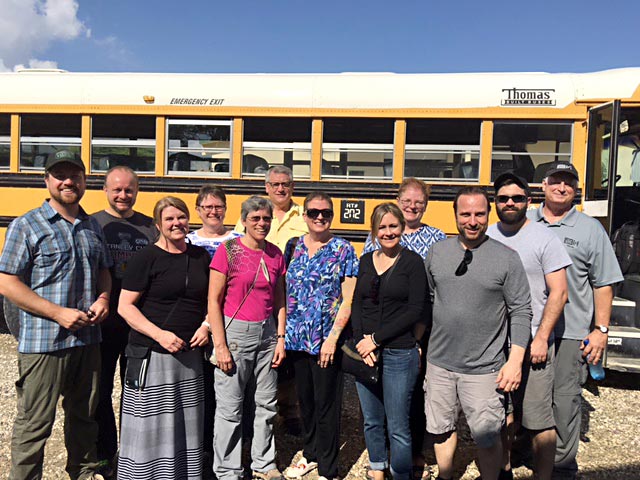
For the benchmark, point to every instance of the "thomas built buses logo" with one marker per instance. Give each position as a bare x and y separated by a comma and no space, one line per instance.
541,97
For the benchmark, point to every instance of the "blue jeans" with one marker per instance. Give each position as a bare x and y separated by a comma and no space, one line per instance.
391,399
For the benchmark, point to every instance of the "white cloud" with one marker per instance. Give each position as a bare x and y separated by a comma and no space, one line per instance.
114,49
35,63
27,27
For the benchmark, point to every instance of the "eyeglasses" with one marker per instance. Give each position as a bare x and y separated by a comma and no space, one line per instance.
209,208
466,260
315,213
257,218
515,198
407,203
277,185
374,291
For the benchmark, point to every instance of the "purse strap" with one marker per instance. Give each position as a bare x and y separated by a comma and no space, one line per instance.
383,281
175,305
261,266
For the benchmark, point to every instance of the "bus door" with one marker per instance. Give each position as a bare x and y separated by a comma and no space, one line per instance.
602,153
612,195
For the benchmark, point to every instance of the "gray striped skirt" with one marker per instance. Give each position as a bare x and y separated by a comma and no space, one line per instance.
162,425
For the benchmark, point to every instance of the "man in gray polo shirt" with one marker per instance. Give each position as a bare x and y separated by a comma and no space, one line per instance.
545,261
480,294
590,278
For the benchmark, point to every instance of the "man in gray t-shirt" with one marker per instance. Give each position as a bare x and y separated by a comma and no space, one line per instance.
590,279
126,232
480,294
545,261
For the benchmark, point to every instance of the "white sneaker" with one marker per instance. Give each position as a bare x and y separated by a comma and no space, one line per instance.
301,468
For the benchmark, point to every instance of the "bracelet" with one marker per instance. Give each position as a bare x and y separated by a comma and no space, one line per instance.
104,295
280,336
206,324
373,339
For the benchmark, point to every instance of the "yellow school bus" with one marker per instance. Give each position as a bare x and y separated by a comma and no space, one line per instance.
353,135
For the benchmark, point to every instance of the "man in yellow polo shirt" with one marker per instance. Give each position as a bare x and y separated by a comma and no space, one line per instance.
287,215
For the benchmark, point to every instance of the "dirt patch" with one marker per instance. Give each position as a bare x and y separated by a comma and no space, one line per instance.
609,447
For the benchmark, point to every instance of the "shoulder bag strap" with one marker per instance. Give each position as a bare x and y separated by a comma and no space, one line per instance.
261,266
387,274
175,305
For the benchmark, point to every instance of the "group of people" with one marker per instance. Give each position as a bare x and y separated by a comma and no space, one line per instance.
491,322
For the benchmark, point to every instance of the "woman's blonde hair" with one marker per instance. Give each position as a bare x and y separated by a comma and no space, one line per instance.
380,211
165,202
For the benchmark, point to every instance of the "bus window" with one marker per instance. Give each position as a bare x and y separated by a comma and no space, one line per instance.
358,148
195,145
276,141
5,140
41,135
123,140
442,149
628,164
527,148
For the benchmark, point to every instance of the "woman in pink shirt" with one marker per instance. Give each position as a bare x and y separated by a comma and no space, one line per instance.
247,315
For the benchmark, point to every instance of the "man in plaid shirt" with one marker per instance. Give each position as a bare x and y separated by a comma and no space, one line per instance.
55,268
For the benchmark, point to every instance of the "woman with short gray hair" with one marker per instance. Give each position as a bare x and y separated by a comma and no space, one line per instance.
247,315
253,204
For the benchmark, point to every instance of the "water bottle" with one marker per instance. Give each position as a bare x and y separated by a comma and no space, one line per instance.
596,371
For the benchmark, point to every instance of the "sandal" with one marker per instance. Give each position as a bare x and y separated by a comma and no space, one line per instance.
370,474
420,473
301,468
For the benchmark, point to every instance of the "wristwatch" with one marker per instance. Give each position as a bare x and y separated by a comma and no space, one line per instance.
602,328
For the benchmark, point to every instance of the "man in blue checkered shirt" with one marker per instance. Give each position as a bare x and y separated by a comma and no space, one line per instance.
55,268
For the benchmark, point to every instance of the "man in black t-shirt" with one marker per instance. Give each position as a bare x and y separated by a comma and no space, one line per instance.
126,231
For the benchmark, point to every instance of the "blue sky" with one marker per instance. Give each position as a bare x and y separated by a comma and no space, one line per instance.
320,36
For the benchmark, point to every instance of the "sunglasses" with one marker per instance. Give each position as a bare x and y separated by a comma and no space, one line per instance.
515,198
374,290
257,218
464,264
315,213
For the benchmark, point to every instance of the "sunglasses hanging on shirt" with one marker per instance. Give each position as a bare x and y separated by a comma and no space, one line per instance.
464,264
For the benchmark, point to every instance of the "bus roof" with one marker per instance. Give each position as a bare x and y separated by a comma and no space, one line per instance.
323,91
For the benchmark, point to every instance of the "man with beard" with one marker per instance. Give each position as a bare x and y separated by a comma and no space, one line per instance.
480,295
590,279
55,268
545,262
126,231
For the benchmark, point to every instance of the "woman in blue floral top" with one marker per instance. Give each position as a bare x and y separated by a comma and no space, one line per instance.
320,280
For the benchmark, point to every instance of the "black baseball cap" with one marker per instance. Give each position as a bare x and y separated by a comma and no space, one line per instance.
562,167
63,156
510,176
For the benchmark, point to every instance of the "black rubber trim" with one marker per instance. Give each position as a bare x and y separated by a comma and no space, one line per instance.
378,191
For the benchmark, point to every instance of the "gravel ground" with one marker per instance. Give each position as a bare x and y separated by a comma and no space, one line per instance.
610,446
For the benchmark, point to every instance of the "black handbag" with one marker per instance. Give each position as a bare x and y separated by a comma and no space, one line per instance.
135,375
353,364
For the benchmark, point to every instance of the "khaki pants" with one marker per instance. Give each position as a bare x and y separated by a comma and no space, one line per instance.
73,373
